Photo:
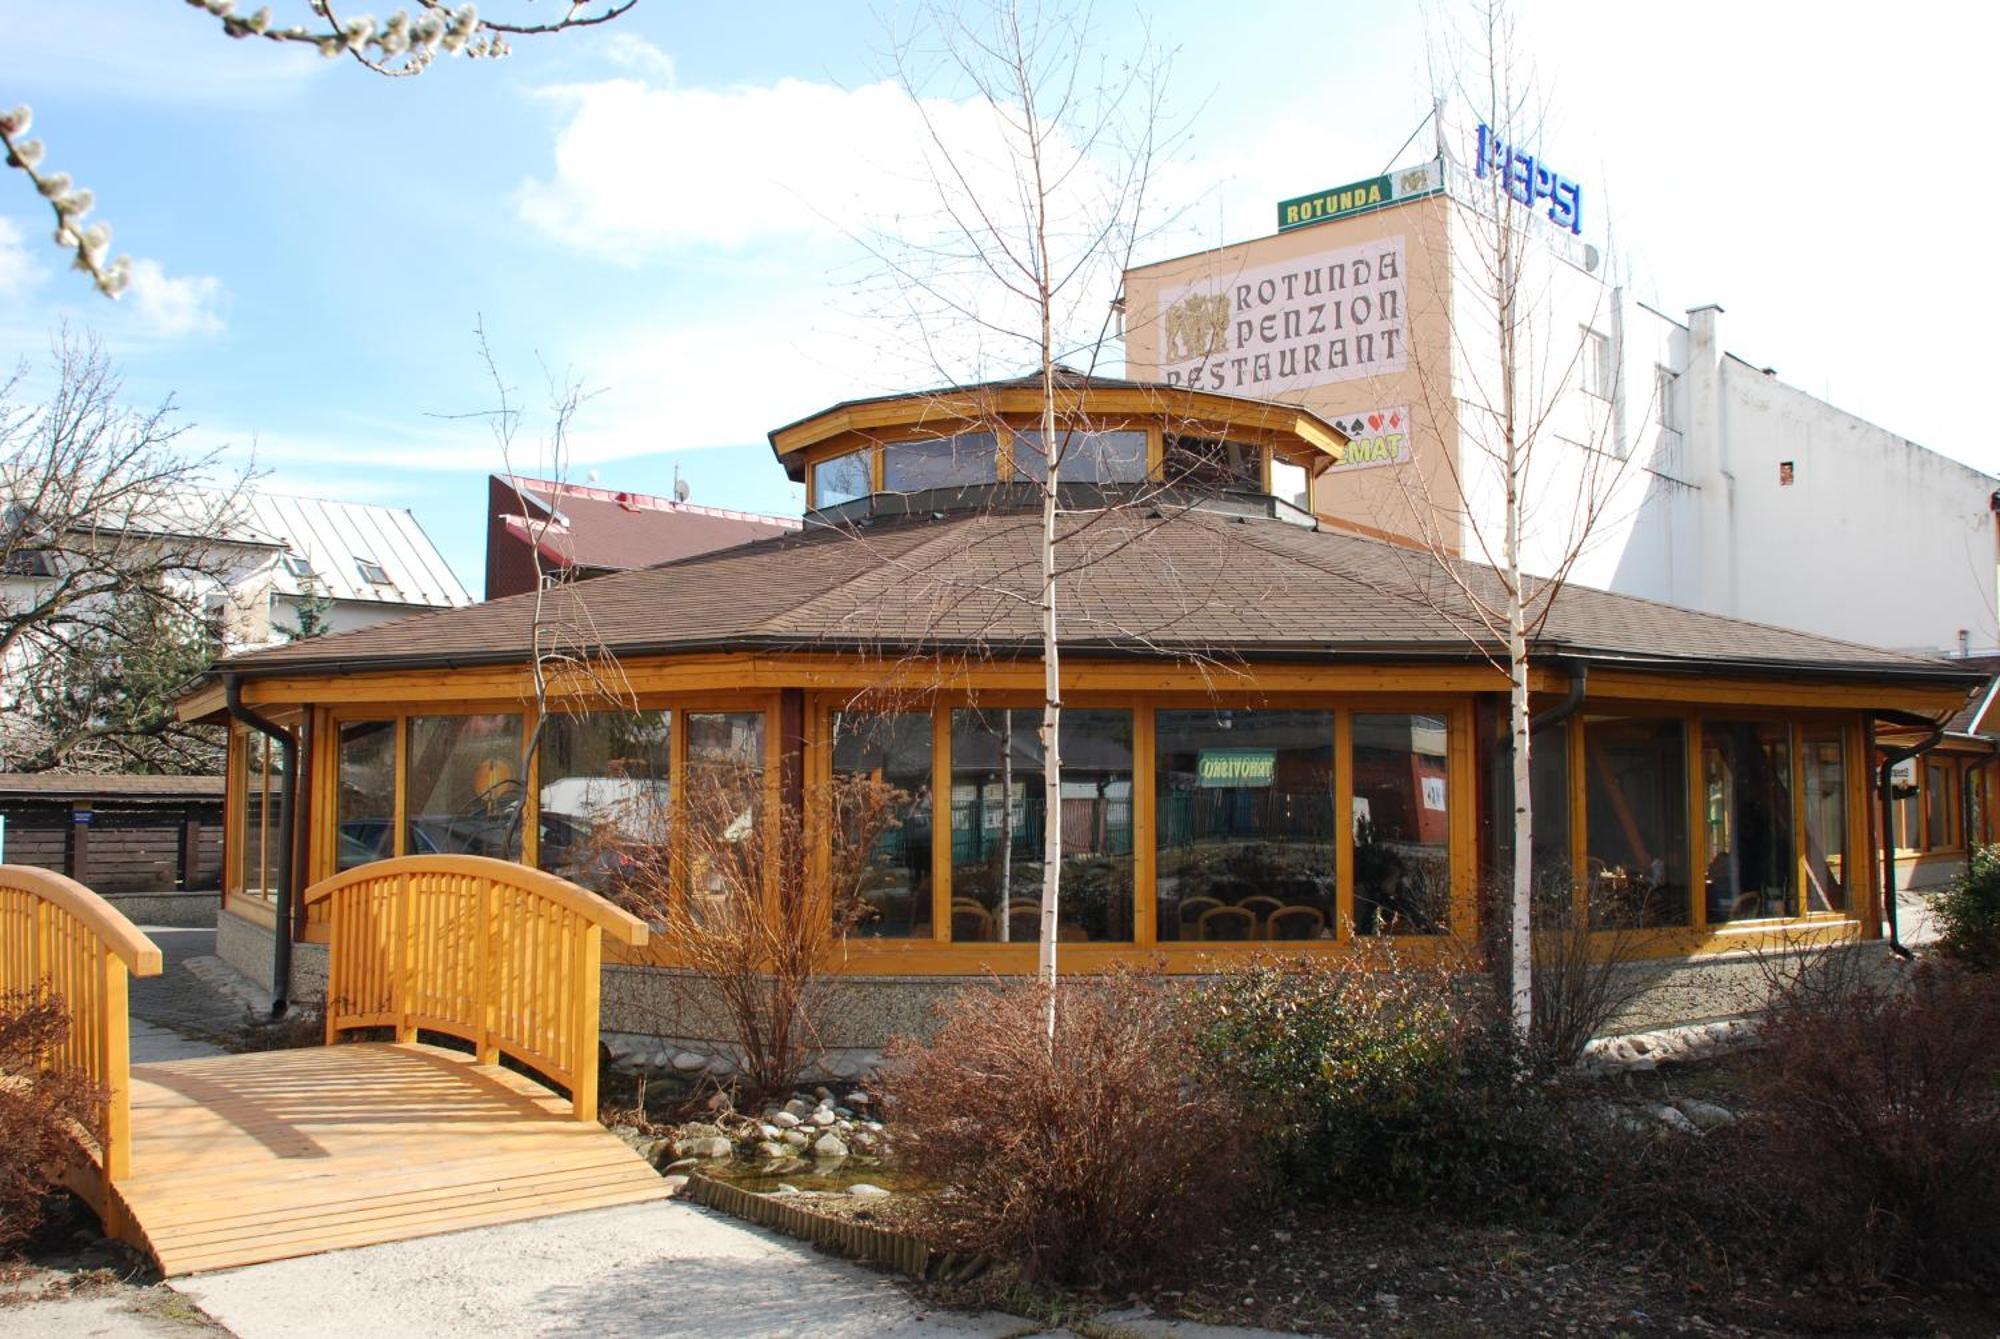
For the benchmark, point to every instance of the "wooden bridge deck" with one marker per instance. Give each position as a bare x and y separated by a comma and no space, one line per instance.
241,1159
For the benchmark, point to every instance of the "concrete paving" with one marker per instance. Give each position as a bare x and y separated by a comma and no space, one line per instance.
668,1269
178,999
122,1313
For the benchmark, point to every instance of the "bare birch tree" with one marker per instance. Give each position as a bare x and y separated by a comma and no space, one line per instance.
1508,385
1039,212
115,544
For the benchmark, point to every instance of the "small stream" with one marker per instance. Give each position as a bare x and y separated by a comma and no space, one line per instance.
820,1178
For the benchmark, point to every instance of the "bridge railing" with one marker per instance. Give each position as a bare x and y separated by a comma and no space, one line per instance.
501,955
60,940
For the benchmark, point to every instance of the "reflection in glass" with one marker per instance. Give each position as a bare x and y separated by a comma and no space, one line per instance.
1402,829
725,762
1207,465
1548,778
1244,819
263,814
1636,800
1291,483
366,804
463,790
1940,814
606,797
894,748
997,816
1084,457
1747,778
1826,820
842,479
939,462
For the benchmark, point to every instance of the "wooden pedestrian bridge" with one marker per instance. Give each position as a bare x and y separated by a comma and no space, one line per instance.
238,1159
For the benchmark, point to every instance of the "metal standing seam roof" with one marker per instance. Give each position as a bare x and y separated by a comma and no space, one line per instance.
605,530
1192,583
332,535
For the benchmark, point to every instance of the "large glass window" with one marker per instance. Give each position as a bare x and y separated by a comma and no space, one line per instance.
939,462
1909,814
1244,825
842,479
1747,785
725,804
997,817
462,793
1084,457
1940,813
262,831
1291,483
895,749
1548,779
1823,764
366,803
1206,465
1402,825
606,783
1636,793
1979,801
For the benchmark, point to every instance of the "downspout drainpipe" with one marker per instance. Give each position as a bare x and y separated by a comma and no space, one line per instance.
288,794
1579,680
1890,759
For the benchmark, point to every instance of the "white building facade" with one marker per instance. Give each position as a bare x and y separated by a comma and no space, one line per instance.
1702,479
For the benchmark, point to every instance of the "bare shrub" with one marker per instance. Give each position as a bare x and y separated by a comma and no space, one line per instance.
1879,1122
1094,1160
1377,1077
1588,964
750,919
43,1110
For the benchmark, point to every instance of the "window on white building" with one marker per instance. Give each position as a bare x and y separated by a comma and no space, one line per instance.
1598,374
371,571
1665,412
298,565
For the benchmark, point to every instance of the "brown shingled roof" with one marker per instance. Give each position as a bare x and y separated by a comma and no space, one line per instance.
1136,582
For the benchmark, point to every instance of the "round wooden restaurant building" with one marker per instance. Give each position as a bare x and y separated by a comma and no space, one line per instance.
1277,734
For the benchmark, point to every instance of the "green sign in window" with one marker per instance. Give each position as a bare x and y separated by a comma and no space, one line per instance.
1236,767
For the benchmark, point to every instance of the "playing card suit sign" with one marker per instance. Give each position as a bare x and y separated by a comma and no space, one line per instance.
1367,430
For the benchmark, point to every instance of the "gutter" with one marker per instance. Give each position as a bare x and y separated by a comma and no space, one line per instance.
1579,682
288,796
1891,757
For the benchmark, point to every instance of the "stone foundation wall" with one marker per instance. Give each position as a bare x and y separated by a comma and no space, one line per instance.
171,908
246,946
664,1020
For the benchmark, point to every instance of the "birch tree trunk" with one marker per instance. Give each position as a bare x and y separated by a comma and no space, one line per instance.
1521,995
1051,687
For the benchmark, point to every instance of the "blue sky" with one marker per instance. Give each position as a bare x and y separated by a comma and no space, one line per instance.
663,210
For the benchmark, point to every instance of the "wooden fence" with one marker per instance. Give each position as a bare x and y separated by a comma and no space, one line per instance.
501,955
856,1241
59,939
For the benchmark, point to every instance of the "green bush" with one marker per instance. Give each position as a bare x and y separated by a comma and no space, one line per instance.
1968,913
1376,1079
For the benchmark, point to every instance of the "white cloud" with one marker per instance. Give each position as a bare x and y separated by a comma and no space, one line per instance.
642,170
635,53
174,307
19,270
